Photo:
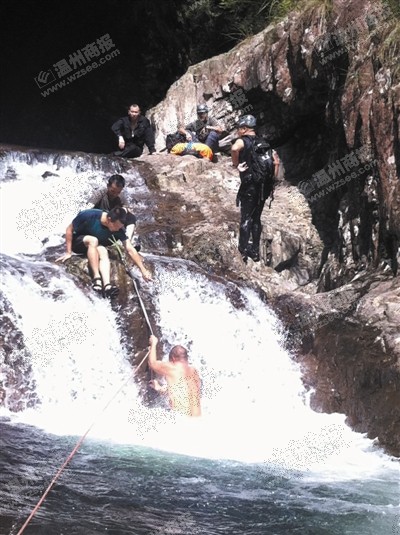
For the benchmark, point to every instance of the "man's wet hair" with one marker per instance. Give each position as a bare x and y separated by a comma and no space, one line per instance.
118,180
117,214
178,353
134,106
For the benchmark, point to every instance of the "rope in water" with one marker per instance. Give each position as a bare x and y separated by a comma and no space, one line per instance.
78,444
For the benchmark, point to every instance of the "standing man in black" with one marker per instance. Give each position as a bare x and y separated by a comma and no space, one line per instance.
133,132
251,195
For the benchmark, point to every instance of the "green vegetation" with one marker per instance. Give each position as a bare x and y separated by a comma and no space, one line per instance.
220,24
394,6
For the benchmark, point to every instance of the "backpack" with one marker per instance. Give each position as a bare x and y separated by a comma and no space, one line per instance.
261,165
173,139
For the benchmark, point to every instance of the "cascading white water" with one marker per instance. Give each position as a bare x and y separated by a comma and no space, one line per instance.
255,409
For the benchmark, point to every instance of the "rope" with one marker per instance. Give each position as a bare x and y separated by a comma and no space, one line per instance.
132,276
115,244
146,317
78,444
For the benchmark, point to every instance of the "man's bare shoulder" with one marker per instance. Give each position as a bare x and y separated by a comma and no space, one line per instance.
238,144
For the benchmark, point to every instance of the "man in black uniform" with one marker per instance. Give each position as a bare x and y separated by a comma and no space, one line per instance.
251,195
133,132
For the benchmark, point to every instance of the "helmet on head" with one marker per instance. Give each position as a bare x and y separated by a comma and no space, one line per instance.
202,108
247,120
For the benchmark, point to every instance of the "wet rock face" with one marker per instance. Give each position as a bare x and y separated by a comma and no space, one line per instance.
17,388
347,342
346,339
196,206
327,95
131,321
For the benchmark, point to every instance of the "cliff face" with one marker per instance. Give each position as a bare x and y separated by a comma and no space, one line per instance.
325,89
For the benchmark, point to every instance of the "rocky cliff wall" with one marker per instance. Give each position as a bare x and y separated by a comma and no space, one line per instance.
346,339
326,92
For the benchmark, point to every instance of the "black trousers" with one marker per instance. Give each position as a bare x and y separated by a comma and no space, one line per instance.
130,151
252,204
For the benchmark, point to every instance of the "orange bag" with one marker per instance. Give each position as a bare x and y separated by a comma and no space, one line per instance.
196,149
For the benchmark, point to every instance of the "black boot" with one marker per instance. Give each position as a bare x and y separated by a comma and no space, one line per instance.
254,254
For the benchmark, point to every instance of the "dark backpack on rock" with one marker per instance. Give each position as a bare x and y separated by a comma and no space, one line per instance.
261,165
173,139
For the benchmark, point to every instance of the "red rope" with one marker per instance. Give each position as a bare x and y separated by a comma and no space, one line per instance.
78,444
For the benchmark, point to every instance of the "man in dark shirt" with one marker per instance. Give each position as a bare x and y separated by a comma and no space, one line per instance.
205,129
90,233
109,199
133,132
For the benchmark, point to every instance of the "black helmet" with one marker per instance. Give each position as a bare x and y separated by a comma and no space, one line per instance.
247,120
202,108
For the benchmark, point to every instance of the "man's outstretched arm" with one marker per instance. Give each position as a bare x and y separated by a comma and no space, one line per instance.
68,244
163,368
137,259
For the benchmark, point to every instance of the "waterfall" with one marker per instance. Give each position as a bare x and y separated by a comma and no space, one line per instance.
255,407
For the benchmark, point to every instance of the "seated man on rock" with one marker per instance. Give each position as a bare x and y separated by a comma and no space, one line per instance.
204,129
133,132
90,233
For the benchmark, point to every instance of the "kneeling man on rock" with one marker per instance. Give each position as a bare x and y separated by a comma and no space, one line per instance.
90,233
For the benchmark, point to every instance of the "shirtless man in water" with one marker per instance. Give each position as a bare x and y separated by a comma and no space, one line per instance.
183,381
